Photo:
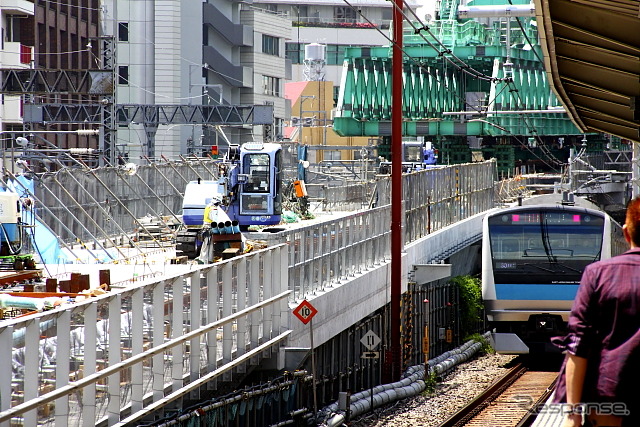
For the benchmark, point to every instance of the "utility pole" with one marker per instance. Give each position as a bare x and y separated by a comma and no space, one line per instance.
395,364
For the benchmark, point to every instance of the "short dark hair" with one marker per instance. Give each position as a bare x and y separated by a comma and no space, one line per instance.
632,220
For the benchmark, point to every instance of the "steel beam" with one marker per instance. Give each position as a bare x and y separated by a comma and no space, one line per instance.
45,81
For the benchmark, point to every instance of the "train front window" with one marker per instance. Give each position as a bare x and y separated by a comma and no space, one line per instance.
413,153
545,236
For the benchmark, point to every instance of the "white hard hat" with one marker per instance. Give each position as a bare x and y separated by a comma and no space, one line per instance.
217,198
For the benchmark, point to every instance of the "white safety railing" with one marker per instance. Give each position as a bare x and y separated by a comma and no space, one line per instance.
117,358
325,254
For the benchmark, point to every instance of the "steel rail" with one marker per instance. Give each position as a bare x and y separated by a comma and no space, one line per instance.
528,419
484,399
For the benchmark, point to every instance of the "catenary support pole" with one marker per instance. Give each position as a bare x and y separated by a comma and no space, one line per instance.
396,192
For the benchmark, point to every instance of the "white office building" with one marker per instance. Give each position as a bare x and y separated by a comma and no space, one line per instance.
180,53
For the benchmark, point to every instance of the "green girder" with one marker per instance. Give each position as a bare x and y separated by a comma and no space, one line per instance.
432,86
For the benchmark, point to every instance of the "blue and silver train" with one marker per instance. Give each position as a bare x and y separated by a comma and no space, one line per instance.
533,257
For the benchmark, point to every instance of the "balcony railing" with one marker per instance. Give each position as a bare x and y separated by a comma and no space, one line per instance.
314,21
16,55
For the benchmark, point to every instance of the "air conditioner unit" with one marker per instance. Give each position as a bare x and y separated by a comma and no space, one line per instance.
308,121
295,121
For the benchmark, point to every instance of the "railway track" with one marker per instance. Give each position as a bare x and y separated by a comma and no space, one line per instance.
508,401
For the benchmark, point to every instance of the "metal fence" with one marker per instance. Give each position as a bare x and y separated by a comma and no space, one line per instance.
143,350
327,253
88,205
436,198
102,208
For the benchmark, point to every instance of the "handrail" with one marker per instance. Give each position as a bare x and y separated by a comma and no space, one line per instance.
104,373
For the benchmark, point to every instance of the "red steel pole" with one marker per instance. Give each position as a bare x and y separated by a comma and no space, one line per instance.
396,190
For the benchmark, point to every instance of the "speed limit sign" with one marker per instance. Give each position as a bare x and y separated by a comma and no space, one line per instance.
305,311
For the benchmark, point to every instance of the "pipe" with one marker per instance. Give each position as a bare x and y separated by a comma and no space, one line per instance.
29,303
411,384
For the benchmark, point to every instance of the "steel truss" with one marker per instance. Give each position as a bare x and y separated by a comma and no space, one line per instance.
454,65
126,114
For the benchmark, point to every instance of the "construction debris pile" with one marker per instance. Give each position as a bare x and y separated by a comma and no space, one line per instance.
20,298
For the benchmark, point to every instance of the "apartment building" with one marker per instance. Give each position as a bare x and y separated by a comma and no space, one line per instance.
46,35
166,52
16,51
266,59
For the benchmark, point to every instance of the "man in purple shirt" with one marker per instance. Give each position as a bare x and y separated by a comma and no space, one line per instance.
602,369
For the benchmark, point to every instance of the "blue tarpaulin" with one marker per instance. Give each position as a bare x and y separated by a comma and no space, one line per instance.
43,240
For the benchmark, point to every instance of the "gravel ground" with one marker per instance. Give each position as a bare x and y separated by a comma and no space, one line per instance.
451,393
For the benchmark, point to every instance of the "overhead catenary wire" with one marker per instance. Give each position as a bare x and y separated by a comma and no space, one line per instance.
205,66
532,128
508,81
463,66
524,33
413,59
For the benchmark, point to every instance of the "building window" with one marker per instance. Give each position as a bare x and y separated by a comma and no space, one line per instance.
278,129
123,75
270,7
122,119
295,52
335,54
270,45
271,85
13,29
332,155
123,31
302,12
345,14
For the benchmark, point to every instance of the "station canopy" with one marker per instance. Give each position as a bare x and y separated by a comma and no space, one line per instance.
592,58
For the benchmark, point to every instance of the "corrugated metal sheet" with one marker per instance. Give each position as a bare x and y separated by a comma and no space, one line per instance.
592,56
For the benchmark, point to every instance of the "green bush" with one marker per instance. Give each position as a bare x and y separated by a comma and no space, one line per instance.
470,312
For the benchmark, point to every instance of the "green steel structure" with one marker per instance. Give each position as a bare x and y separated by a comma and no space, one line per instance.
487,66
